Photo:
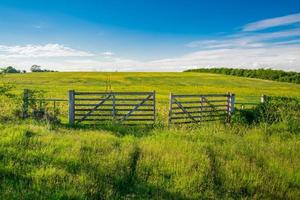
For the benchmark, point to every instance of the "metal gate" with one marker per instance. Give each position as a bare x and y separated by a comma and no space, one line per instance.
196,108
119,107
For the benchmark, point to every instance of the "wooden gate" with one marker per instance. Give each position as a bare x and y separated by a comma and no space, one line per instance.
121,107
196,108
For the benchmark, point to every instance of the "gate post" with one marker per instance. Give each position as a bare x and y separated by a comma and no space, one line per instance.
230,103
71,107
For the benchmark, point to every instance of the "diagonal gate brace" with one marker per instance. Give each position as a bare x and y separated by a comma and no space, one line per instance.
184,110
95,108
135,108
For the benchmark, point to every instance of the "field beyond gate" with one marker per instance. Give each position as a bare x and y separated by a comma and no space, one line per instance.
120,107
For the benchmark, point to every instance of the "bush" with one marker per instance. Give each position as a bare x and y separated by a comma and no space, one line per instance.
9,69
39,109
275,110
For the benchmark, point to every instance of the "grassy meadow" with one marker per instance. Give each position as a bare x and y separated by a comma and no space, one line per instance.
39,160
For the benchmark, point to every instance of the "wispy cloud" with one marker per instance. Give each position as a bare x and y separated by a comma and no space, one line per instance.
48,50
273,22
279,57
249,48
249,40
108,53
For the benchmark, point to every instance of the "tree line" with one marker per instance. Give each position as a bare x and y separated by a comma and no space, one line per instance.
13,70
268,74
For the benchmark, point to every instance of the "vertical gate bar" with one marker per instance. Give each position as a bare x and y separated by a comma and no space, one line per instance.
114,107
170,109
71,107
201,109
154,106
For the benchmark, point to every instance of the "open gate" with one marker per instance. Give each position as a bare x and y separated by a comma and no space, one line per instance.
196,108
119,107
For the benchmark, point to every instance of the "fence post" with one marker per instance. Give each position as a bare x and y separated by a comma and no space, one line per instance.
230,104
154,106
263,98
170,109
71,107
25,103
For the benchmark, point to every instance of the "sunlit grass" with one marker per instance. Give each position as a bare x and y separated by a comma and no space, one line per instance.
207,161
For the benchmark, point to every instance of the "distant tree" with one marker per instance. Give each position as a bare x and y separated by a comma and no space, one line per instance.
36,68
9,69
269,74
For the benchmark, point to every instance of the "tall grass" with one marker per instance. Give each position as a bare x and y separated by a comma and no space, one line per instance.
215,161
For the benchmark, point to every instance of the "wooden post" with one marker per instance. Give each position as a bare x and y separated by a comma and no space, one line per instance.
71,107
170,109
232,103
154,106
263,98
25,103
228,103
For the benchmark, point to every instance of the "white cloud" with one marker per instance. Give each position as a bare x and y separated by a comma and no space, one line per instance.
280,57
48,50
108,53
273,49
273,22
245,40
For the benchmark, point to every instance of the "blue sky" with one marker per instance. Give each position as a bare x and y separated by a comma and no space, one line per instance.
136,35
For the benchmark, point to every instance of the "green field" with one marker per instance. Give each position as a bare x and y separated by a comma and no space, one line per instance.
57,84
210,161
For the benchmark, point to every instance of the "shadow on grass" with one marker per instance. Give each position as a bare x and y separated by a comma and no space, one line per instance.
115,128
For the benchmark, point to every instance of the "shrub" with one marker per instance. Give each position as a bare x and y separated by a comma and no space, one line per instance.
39,109
9,69
275,110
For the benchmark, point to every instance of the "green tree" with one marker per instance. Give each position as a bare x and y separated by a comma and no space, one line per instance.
36,68
9,69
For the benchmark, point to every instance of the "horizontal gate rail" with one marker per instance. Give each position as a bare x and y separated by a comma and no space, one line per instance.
117,107
198,108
